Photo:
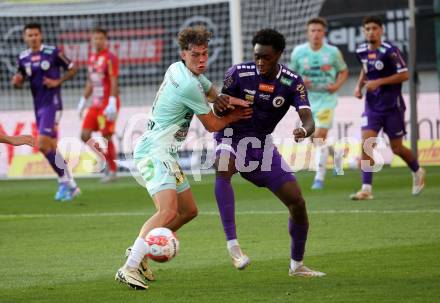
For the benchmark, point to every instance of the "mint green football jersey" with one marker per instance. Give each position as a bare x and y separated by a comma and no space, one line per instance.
181,95
321,67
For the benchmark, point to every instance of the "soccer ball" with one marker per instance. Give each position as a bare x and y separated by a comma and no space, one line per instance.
162,243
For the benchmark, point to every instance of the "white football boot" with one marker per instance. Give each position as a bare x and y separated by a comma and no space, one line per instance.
144,267
418,181
131,277
304,271
239,259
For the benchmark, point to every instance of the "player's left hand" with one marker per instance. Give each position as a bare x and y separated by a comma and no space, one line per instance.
51,83
299,134
110,110
372,85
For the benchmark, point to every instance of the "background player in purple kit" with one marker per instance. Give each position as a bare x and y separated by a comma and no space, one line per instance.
383,71
41,64
271,88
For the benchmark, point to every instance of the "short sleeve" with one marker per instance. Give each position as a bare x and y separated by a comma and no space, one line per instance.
113,66
397,61
230,82
206,84
62,61
194,98
300,98
339,61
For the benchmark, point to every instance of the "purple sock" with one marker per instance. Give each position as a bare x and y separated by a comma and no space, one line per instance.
298,235
57,162
226,205
414,165
367,177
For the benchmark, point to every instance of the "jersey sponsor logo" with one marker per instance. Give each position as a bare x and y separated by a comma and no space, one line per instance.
249,98
302,91
45,65
264,96
278,101
326,67
250,92
266,88
101,60
36,58
372,56
48,51
247,74
228,82
28,69
378,65
286,81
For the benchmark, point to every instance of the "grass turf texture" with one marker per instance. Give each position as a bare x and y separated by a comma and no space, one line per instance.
385,250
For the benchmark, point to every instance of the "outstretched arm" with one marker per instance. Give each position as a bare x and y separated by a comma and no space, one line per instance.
17,140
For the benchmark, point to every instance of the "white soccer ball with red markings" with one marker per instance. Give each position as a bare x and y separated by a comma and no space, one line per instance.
163,244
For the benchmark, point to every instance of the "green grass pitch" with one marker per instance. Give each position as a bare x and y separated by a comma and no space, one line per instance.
385,250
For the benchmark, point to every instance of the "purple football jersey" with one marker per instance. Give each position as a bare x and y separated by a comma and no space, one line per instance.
380,63
43,63
270,99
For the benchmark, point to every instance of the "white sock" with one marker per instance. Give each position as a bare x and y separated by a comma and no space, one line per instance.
138,251
367,187
68,179
321,162
295,264
232,243
338,157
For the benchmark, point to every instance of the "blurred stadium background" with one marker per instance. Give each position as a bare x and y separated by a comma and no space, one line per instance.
143,34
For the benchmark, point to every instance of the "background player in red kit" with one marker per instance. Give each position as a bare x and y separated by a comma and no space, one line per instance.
102,86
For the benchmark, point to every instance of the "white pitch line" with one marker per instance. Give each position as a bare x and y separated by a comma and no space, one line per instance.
215,213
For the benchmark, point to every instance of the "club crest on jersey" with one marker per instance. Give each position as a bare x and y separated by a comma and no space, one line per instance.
45,65
378,65
268,88
278,101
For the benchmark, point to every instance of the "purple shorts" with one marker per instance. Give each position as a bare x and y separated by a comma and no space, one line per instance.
393,123
263,166
47,121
